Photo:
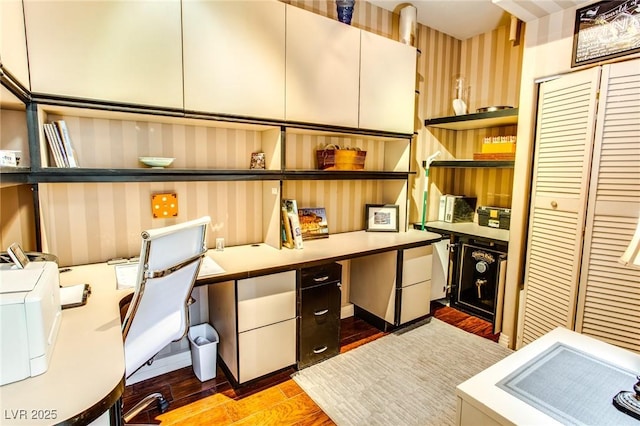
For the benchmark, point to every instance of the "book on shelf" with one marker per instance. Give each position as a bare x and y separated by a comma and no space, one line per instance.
55,145
287,237
295,230
63,131
291,208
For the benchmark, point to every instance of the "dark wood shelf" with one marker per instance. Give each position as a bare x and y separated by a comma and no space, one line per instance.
14,175
473,163
478,120
53,174
344,175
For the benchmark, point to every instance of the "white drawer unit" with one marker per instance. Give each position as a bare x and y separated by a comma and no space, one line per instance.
383,296
416,283
256,321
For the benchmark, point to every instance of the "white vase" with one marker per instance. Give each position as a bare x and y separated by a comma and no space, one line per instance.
459,107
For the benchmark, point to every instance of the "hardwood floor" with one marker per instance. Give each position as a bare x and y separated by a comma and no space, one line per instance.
276,400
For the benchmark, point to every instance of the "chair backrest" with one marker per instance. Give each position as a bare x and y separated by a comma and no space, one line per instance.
170,259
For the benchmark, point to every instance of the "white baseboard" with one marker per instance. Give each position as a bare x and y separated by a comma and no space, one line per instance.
161,366
346,311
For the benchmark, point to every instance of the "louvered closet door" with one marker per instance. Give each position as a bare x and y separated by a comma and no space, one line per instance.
609,302
565,126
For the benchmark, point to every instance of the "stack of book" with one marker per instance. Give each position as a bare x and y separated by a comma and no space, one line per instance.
60,147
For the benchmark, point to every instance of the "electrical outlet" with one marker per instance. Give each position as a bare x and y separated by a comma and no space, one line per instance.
164,205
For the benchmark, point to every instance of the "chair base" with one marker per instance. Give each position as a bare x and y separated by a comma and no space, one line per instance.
161,402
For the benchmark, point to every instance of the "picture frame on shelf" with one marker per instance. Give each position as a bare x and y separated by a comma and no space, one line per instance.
257,161
313,223
603,30
382,218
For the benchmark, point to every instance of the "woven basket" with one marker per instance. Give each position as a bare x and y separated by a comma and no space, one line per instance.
334,158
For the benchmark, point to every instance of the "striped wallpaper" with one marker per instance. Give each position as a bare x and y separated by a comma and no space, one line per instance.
93,222
108,217
17,217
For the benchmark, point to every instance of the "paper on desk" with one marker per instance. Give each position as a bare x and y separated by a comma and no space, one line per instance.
126,274
209,267
72,295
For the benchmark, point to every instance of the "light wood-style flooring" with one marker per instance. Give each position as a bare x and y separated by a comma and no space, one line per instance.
275,400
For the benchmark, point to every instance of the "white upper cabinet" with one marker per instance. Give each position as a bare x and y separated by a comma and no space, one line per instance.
387,84
234,57
322,72
122,51
13,47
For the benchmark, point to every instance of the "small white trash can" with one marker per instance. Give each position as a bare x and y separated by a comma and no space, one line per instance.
204,350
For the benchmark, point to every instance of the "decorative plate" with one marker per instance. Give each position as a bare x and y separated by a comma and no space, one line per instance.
156,162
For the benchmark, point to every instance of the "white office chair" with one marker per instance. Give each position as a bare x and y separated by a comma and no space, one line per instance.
170,259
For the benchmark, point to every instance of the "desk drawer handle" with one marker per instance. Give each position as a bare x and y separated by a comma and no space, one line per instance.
322,312
321,279
320,350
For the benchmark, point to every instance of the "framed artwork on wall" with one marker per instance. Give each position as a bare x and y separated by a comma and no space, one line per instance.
605,30
381,218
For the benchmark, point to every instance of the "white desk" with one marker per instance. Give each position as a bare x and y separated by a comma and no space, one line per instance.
86,373
482,402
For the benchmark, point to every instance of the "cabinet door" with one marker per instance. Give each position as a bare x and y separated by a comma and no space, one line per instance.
266,300
13,45
609,291
323,57
267,349
565,128
234,57
415,301
387,84
121,51
417,264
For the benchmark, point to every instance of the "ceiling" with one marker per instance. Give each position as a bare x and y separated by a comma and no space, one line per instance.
462,19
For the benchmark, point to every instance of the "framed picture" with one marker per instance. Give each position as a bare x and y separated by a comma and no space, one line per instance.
257,161
381,217
605,30
313,223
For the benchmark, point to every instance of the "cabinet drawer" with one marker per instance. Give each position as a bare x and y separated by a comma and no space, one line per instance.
417,264
416,301
317,275
266,300
319,342
267,349
320,305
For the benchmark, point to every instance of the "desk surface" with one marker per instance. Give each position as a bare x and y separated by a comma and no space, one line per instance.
87,365
483,393
470,229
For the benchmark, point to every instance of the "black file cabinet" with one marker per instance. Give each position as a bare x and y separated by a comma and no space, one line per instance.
319,324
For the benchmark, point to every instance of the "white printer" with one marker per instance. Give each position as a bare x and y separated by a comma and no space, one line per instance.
30,317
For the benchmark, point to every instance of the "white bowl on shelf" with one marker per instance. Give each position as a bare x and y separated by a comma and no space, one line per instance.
156,162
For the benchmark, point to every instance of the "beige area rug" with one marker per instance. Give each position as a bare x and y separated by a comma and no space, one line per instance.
402,379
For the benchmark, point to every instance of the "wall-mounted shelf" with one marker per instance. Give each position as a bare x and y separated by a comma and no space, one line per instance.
502,117
473,163
14,175
52,174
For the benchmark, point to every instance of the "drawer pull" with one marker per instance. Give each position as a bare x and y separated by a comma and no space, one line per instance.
322,312
321,279
320,350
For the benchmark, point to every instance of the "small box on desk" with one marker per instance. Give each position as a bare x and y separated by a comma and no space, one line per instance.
494,217
459,208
